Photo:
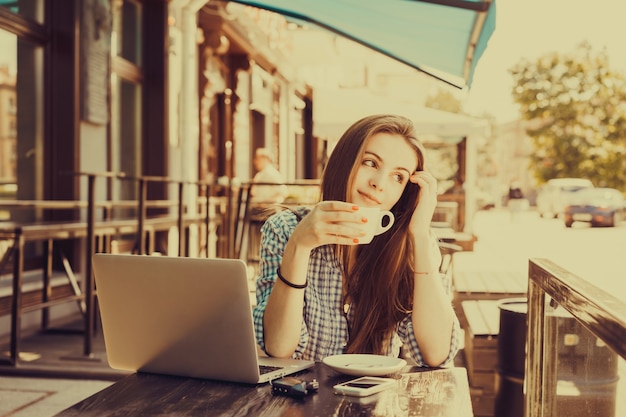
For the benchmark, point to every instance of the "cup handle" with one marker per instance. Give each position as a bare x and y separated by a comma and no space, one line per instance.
381,228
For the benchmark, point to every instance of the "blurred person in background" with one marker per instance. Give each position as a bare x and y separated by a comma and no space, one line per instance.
517,202
264,200
267,173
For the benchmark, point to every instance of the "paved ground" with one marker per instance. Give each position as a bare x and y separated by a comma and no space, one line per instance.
34,397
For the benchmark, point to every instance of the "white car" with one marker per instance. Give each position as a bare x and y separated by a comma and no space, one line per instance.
554,196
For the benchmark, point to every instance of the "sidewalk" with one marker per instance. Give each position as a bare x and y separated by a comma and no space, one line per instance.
498,246
53,375
35,397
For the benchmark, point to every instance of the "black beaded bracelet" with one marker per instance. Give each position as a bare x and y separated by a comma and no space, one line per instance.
291,284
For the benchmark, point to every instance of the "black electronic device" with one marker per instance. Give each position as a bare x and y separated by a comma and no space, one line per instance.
294,387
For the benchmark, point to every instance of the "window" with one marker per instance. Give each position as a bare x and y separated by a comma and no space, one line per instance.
126,134
8,133
126,93
127,40
21,118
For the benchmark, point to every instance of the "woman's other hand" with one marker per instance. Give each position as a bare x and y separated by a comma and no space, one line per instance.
427,201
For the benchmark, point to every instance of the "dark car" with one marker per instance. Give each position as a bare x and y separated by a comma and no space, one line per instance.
598,206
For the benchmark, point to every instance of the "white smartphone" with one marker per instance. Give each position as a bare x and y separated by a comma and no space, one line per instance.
364,386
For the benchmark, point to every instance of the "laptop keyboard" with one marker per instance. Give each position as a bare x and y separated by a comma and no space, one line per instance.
263,369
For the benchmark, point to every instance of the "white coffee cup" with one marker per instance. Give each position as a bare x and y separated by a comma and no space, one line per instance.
375,222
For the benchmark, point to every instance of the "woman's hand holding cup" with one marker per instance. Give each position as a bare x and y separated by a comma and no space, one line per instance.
374,222
338,222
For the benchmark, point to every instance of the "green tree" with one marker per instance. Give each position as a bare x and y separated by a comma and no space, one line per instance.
576,108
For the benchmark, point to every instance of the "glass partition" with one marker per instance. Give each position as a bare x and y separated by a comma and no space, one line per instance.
575,346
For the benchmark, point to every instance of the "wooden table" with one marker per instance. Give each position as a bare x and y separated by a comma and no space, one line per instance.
489,284
426,393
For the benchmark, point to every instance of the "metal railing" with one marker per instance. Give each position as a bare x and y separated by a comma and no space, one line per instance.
89,226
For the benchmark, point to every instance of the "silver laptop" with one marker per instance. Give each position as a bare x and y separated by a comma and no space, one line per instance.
182,316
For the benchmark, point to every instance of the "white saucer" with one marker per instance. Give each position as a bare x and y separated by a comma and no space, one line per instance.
364,365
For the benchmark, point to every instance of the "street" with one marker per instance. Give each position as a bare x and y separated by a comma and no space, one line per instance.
597,255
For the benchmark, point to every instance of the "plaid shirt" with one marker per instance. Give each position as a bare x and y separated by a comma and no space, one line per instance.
324,326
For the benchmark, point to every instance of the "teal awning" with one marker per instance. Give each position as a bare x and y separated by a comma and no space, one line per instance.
442,38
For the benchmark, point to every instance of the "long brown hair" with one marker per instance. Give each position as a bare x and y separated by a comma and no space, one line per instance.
378,276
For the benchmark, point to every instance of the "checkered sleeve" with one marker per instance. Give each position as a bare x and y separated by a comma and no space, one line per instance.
405,331
275,233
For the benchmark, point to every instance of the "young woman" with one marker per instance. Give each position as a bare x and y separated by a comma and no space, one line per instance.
320,293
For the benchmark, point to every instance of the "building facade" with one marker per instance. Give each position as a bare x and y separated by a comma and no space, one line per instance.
180,89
